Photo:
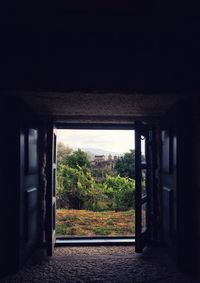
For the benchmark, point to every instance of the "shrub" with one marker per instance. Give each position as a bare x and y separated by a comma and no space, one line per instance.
121,191
75,186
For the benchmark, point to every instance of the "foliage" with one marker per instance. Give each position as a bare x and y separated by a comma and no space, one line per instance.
62,152
102,172
121,191
77,159
77,188
96,200
125,165
74,186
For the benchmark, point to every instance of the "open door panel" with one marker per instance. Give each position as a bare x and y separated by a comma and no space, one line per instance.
143,172
51,190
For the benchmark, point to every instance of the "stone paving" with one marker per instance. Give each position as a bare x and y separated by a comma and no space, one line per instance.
101,264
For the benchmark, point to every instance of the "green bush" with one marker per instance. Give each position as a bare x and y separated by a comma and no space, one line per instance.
121,191
75,186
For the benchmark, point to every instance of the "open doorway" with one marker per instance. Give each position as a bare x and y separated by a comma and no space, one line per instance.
101,192
95,191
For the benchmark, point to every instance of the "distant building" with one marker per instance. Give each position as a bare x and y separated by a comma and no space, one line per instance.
102,166
109,157
100,161
99,158
115,157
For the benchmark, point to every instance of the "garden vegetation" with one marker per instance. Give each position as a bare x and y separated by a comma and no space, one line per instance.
78,189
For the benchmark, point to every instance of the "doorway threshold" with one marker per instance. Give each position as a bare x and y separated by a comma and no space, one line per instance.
94,241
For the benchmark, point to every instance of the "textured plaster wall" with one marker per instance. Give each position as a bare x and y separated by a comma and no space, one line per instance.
95,104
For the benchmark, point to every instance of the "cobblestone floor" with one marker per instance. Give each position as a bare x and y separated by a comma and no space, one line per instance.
102,264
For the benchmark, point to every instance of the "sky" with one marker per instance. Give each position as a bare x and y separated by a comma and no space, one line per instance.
119,141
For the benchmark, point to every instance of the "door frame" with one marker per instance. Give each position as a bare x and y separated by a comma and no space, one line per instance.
94,126
51,189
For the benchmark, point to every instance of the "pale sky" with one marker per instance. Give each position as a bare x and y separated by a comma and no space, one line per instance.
119,141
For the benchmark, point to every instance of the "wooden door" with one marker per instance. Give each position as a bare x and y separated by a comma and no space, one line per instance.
51,190
29,192
143,184
169,189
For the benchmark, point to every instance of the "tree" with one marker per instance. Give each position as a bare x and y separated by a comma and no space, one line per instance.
77,159
62,151
75,186
125,165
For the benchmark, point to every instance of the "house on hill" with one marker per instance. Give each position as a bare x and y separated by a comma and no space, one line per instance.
101,161
103,166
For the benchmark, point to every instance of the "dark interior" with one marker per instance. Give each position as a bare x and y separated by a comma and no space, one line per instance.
98,65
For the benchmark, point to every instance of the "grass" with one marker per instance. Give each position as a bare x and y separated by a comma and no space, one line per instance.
89,223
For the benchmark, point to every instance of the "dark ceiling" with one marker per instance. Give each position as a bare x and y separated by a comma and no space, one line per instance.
91,107
115,47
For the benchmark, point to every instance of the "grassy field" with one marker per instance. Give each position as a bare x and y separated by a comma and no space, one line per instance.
89,223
